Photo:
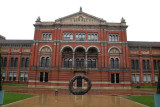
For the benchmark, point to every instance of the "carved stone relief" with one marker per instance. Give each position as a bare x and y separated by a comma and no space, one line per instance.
4,49
145,52
133,51
156,52
15,50
26,50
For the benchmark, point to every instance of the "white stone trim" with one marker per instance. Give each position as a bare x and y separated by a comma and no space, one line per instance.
78,47
93,47
65,47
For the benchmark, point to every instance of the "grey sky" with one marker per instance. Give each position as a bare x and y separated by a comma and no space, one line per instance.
142,16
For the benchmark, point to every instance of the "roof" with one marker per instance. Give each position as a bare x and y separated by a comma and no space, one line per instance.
142,43
16,41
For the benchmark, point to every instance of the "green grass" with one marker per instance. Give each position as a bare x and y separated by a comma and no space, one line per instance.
146,100
10,84
13,97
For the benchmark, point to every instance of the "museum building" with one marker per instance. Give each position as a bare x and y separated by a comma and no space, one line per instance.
80,43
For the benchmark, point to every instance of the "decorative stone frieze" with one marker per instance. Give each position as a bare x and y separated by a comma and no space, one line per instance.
133,51
4,50
145,52
26,50
15,50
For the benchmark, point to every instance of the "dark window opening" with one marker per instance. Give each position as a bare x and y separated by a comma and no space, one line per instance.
112,78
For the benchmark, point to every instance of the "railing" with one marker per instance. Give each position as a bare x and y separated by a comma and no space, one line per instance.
79,68
156,70
24,68
12,68
135,70
146,70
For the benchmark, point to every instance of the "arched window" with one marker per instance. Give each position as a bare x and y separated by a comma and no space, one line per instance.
16,62
132,64
89,63
70,63
94,63
137,64
116,65
112,63
42,62
22,62
27,62
47,62
77,62
82,63
5,62
12,62
144,64
65,62
148,64
2,61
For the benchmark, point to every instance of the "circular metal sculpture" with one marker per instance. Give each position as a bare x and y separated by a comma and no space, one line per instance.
79,92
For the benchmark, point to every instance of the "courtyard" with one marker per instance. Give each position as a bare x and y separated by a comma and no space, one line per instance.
45,97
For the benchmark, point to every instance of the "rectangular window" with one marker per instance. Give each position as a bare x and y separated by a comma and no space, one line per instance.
115,78
21,76
26,76
3,76
156,78
112,78
46,36
43,77
14,76
133,78
68,36
92,36
147,77
113,37
137,78
10,76
144,77
80,36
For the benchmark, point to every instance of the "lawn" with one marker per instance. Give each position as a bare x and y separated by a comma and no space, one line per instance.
13,97
10,84
146,100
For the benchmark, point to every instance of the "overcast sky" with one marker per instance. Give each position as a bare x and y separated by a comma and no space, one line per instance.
142,16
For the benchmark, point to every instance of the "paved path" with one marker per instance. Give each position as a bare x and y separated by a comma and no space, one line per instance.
75,101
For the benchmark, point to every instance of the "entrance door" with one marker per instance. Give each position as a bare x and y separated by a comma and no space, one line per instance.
79,82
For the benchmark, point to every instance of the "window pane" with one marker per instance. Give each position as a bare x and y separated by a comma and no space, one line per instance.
46,76
133,78
137,78
144,78
41,77
117,78
112,78
156,78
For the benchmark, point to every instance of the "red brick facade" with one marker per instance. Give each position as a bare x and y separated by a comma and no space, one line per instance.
109,60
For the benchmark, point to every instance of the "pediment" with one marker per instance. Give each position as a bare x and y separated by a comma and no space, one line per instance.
81,18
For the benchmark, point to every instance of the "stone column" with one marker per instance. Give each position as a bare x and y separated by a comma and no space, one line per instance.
86,62
73,60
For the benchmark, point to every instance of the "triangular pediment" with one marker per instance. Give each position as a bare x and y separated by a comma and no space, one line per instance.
80,18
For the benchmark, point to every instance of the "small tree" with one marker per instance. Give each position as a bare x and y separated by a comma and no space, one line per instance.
0,74
158,84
